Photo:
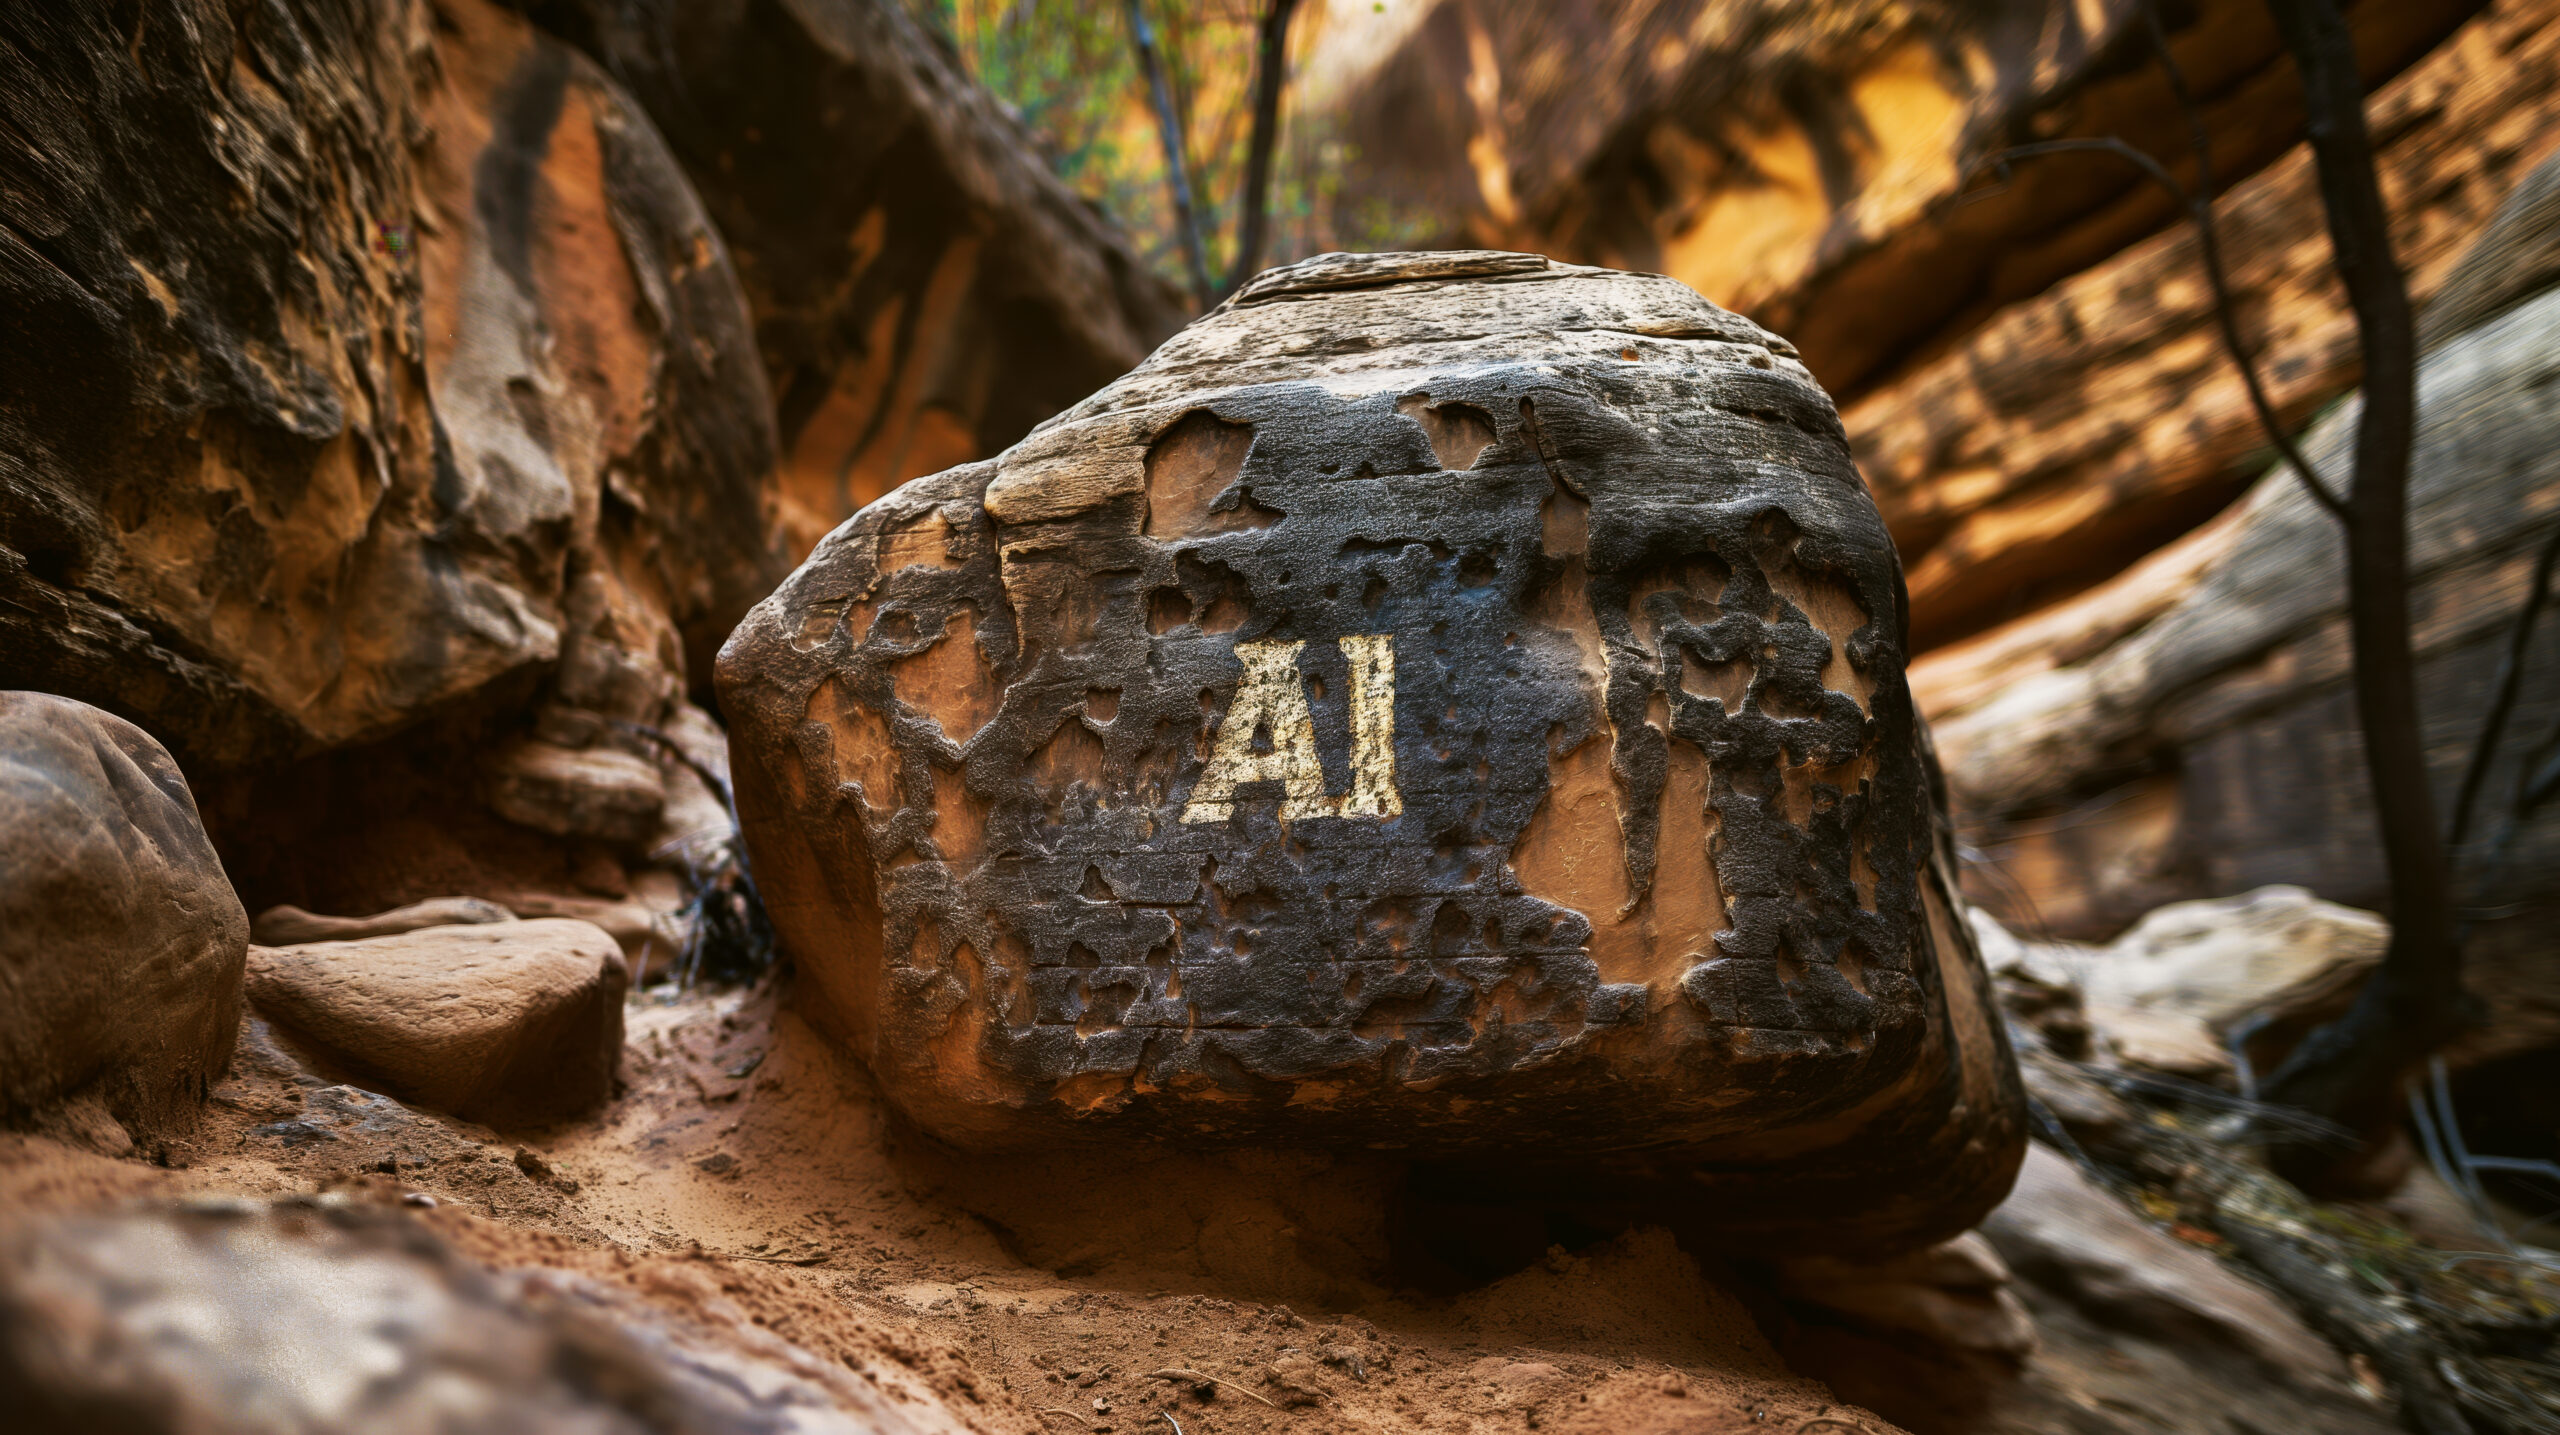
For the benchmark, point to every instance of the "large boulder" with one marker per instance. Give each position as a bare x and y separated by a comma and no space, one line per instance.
365,361
508,1023
121,941
1442,701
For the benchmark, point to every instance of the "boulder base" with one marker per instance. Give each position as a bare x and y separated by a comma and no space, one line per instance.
1447,702
509,1023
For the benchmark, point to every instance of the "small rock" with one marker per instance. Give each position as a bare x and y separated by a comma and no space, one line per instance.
1296,1380
2169,1042
291,926
508,1023
376,1127
2276,951
598,792
649,925
1954,1295
121,941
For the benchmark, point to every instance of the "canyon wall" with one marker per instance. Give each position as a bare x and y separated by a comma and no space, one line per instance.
2026,356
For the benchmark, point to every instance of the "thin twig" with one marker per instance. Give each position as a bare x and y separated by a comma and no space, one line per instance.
2199,207
1204,1378
2510,680
1071,1415
1167,1417
1271,73
1177,175
2209,237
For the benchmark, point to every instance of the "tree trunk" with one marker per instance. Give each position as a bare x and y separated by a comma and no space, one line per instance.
1271,76
2351,1070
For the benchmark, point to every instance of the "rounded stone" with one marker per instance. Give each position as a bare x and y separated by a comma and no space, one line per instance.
121,941
1444,702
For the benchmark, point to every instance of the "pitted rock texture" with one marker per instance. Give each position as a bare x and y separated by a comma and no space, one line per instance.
121,940
1446,701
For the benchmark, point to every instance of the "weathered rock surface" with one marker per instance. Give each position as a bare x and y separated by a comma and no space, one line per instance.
289,926
508,1023
1800,163
365,360
598,792
2176,750
239,1317
2274,952
2077,429
1448,701
120,938
2142,1332
2173,988
1927,1338
2026,360
938,293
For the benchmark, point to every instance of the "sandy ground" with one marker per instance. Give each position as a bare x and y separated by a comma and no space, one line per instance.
750,1177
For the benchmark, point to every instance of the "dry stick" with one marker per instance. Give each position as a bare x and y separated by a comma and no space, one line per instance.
1271,73
2510,680
1205,1379
2199,206
1177,176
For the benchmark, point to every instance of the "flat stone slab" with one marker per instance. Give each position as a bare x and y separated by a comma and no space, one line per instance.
507,1023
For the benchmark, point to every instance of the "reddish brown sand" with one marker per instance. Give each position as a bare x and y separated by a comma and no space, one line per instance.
749,1177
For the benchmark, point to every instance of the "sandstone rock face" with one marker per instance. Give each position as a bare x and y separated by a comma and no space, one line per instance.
2127,750
405,372
1798,162
235,1318
2026,360
120,939
598,792
938,294
288,926
1442,701
508,1023
2082,426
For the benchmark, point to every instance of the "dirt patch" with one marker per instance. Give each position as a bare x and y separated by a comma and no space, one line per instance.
749,1178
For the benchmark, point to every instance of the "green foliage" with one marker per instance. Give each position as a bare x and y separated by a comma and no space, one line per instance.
1068,70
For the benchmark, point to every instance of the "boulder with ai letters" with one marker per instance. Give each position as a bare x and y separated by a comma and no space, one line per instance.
1443,702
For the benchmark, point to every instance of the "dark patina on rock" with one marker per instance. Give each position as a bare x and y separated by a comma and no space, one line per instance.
1444,702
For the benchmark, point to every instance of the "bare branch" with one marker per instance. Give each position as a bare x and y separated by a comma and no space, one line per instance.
2510,679
1271,75
2199,206
2352,1070
1177,174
